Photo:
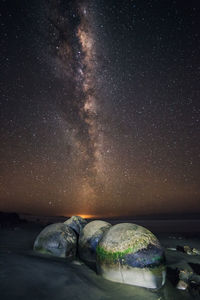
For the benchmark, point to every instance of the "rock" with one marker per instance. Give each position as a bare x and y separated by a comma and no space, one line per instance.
89,239
196,251
77,263
182,285
76,223
188,250
131,254
57,240
171,249
185,275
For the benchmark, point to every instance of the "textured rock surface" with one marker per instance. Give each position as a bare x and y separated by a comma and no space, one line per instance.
188,250
57,240
182,285
89,239
131,254
76,223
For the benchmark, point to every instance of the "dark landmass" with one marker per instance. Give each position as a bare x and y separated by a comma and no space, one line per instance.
9,220
169,216
160,216
190,224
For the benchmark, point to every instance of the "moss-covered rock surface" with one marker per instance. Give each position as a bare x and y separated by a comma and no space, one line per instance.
127,248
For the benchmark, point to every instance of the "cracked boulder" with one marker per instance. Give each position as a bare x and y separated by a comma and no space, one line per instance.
57,240
131,254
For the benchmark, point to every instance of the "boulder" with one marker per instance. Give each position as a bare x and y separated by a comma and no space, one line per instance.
188,250
131,254
196,251
89,239
57,240
76,223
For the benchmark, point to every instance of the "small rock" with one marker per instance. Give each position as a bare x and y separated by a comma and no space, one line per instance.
185,275
196,251
171,249
182,285
77,262
187,250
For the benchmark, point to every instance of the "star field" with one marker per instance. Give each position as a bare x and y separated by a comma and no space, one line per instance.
100,110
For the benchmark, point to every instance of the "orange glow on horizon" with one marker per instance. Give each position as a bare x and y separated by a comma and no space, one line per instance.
88,216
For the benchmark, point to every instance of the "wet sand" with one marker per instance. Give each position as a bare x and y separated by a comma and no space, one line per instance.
25,275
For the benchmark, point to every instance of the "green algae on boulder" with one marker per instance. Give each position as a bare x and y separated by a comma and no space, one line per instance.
89,239
76,223
57,240
131,254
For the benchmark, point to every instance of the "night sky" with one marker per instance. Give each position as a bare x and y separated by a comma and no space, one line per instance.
100,107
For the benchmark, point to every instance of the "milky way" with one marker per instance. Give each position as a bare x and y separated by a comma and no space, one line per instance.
81,54
89,111
100,107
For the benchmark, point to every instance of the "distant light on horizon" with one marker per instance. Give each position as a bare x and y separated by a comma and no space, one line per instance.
88,216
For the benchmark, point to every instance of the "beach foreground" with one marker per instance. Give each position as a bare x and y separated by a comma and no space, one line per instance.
27,275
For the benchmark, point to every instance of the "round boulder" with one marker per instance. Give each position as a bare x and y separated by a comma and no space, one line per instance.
57,240
89,239
131,254
76,223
